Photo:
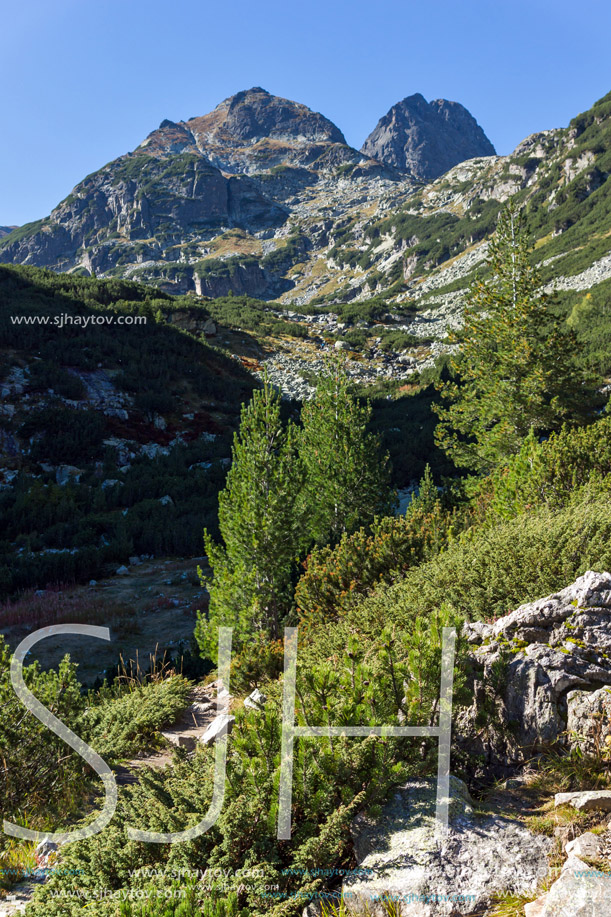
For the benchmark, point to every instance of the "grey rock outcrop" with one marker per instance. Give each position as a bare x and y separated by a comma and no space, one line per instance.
426,138
548,648
403,855
579,892
119,212
587,801
220,726
255,700
586,845
589,719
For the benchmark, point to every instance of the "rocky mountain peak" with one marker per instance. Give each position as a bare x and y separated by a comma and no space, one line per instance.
426,138
255,114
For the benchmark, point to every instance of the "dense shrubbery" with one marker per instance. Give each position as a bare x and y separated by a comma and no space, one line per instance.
588,314
487,573
541,520
581,218
547,473
90,525
42,784
334,577
63,435
247,314
152,357
436,238
119,721
36,775
332,780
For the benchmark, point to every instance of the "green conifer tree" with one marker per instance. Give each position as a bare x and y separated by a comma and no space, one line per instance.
517,366
347,477
427,495
251,588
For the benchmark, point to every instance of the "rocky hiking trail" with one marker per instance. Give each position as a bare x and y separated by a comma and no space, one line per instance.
538,842
204,720
186,732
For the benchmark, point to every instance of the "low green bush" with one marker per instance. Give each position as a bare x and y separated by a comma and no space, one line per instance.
119,722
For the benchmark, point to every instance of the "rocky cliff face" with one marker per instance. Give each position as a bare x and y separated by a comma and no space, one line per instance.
157,213
140,205
427,138
263,196
555,653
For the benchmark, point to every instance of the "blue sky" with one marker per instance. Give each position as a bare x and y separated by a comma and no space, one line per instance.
84,81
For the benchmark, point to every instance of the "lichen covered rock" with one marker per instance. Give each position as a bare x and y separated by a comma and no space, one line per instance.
404,856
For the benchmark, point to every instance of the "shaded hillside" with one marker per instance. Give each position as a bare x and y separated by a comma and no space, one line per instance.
100,423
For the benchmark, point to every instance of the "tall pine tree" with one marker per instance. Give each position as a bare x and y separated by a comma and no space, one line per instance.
347,477
251,586
517,367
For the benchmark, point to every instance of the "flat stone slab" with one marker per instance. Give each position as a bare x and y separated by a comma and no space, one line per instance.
177,738
590,801
405,856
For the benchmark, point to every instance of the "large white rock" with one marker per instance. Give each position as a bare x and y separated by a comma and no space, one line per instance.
255,700
579,892
588,801
403,855
220,726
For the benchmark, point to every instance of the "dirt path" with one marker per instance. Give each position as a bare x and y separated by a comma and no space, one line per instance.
18,898
185,732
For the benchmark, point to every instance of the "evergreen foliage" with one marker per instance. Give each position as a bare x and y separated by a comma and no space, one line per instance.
335,577
251,586
347,478
517,366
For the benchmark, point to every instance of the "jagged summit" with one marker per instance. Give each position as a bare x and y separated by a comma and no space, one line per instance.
252,131
256,114
262,196
426,138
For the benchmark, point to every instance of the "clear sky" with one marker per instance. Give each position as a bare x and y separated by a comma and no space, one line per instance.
84,81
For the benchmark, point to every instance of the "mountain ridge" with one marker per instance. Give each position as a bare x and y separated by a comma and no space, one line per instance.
313,221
